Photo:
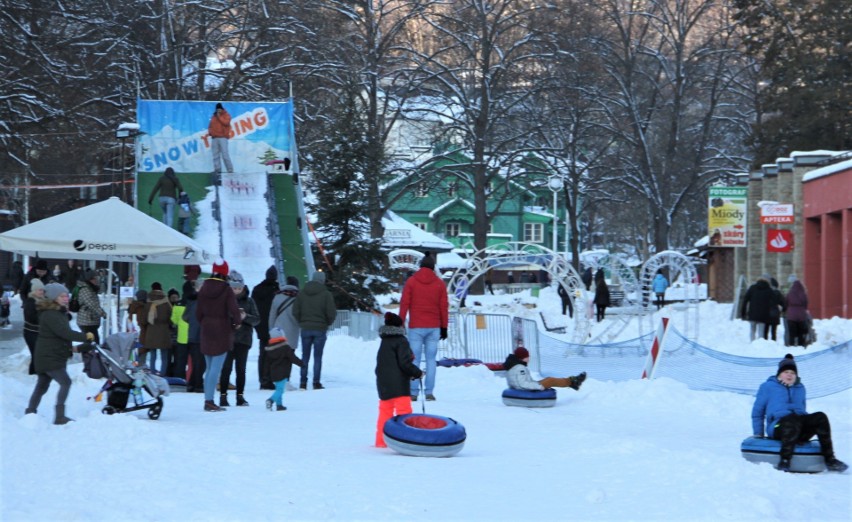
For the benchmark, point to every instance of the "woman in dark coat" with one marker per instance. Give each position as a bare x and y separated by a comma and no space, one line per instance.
197,366
31,319
395,369
53,349
219,316
757,303
238,356
797,314
601,298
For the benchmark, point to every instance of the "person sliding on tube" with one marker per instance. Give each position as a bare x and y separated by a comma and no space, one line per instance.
518,376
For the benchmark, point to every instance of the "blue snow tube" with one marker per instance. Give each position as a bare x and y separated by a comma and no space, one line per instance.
421,435
807,457
529,398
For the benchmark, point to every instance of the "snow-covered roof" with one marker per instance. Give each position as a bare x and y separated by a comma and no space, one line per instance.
437,210
400,233
827,170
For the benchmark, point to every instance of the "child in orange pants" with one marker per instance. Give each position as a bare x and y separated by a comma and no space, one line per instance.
395,370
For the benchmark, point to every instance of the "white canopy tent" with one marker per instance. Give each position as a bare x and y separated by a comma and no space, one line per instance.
110,231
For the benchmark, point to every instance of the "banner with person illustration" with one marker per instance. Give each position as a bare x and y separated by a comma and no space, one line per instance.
174,134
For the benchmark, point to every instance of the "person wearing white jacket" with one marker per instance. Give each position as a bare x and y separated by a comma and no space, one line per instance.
518,375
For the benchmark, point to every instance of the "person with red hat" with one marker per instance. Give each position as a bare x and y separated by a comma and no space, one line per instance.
395,370
519,378
219,316
780,402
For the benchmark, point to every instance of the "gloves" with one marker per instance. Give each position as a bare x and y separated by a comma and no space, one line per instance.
443,333
90,336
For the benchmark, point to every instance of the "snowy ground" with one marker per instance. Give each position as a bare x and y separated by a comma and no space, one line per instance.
635,450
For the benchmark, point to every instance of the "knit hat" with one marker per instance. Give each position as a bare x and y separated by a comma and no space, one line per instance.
141,295
41,264
236,279
173,291
521,352
220,267
787,363
766,276
191,272
792,278
391,319
36,284
219,106
272,273
89,274
428,261
293,281
54,290
156,286
319,277
276,336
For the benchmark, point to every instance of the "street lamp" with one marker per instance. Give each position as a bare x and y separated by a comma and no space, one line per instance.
124,131
555,184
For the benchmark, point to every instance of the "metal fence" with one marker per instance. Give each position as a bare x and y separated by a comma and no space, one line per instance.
486,337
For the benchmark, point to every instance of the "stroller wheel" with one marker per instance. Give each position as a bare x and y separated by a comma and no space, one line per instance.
154,411
109,410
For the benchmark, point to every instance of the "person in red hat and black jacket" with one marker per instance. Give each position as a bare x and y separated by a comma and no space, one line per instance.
395,370
219,316
518,376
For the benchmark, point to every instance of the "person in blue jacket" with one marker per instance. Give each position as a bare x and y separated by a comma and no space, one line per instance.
659,285
780,402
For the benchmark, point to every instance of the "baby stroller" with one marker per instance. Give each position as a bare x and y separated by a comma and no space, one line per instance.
125,379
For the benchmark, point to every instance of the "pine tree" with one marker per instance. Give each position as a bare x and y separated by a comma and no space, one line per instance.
338,169
805,73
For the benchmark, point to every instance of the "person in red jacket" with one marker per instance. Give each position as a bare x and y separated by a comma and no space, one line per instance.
219,130
219,316
424,301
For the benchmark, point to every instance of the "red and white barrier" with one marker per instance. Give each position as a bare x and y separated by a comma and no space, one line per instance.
656,349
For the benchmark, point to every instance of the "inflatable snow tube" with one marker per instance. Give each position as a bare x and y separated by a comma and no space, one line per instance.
529,398
806,457
421,435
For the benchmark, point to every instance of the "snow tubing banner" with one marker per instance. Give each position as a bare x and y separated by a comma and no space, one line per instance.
529,398
174,134
807,457
420,435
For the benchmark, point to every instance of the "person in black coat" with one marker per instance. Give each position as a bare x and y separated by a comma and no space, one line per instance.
263,293
395,369
601,298
566,300
757,305
277,366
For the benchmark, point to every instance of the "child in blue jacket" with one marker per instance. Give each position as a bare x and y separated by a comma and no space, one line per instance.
780,402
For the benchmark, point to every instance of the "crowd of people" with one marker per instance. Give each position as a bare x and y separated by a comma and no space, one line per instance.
205,333
764,306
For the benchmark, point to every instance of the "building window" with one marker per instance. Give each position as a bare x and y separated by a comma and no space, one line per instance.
421,226
534,232
452,229
422,190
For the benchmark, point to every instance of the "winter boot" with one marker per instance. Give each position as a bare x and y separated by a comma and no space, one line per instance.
60,416
318,386
211,406
303,386
577,381
269,404
430,397
29,410
279,407
836,465
223,399
783,465
241,400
